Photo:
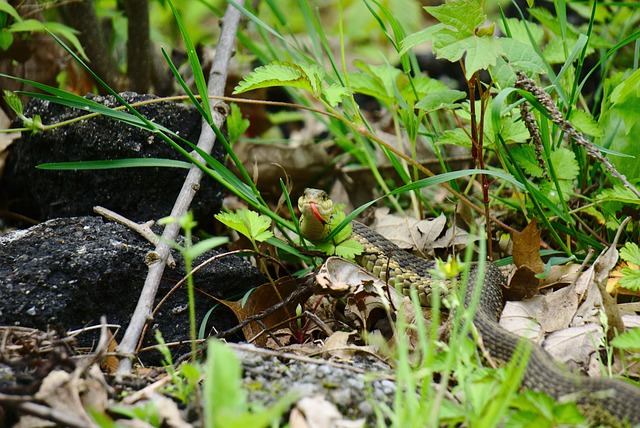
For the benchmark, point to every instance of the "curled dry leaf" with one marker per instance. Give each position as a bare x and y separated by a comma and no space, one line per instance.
519,318
526,248
603,266
575,345
337,346
409,233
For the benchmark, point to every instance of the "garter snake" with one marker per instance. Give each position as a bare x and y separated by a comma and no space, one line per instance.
607,401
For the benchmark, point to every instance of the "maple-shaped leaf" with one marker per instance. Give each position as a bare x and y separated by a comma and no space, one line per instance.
585,123
458,35
630,253
334,94
283,73
565,163
248,223
619,193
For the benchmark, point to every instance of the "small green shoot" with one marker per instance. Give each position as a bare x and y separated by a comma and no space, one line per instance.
32,123
236,124
190,252
225,402
184,381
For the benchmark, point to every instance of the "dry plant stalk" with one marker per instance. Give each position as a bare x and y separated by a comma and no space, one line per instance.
527,84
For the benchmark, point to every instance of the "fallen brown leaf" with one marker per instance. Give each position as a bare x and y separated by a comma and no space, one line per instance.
526,248
262,298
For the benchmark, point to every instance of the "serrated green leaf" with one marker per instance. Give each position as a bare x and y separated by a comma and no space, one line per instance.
463,15
387,75
349,249
630,253
630,279
512,130
629,340
585,123
314,75
525,155
277,73
334,94
248,223
522,56
518,30
440,99
367,84
418,38
565,164
548,189
481,52
619,193
236,124
14,102
455,136
625,98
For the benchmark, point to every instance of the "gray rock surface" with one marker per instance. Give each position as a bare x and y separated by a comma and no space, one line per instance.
68,272
267,378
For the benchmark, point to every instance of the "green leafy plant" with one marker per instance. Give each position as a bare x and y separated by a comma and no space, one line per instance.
26,26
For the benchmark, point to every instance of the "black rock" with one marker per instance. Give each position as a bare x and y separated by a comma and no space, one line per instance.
66,273
140,194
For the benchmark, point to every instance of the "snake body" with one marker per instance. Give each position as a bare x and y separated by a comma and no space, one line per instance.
607,401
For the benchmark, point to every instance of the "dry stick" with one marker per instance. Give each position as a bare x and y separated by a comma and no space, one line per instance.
143,230
216,84
529,85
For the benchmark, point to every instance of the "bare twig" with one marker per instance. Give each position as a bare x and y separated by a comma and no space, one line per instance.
143,230
216,84
51,414
529,85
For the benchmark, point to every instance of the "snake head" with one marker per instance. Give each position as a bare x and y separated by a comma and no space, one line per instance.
317,203
316,209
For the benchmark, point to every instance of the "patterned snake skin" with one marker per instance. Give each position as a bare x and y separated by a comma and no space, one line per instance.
606,401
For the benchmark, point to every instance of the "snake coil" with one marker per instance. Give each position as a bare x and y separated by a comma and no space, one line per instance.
606,401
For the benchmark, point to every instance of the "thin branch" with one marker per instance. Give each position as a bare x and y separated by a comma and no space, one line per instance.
216,84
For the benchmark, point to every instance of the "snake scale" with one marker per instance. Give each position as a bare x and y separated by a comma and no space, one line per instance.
606,401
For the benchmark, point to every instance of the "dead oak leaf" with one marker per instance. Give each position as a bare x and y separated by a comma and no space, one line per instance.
526,256
526,248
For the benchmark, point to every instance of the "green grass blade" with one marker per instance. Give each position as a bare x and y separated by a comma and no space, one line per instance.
114,164
183,84
196,67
